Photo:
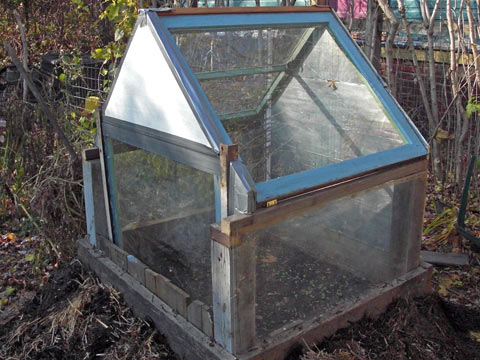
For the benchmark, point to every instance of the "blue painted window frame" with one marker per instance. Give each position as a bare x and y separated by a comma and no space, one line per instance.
415,147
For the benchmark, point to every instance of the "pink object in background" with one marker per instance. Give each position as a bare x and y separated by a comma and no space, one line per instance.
344,8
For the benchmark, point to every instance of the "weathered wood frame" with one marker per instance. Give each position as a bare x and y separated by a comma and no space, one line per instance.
233,267
233,260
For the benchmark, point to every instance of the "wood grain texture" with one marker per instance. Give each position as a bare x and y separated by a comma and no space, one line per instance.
150,280
240,224
233,275
444,259
416,222
172,295
187,341
194,313
207,322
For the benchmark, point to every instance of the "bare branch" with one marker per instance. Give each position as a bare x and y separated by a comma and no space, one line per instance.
50,116
24,50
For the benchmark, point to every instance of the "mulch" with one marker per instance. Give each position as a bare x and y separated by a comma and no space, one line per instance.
74,316
420,328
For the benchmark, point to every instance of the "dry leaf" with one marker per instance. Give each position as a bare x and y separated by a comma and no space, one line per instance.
475,335
269,259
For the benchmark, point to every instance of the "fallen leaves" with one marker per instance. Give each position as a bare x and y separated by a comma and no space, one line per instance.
448,281
475,335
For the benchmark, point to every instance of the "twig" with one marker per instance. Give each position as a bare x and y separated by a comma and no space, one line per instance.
41,102
40,230
24,48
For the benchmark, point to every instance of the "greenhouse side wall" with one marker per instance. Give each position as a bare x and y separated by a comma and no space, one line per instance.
308,257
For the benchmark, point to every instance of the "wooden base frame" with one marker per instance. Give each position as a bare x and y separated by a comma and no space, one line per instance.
190,343
184,338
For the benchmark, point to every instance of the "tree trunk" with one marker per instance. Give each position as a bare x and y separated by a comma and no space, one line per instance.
463,122
429,23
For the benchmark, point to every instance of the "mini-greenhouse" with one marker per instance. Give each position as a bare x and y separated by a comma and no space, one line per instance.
260,181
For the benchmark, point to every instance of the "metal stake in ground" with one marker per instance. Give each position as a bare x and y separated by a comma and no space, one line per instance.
41,102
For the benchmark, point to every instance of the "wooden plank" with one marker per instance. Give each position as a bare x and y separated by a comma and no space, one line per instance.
101,226
228,153
233,288
401,226
118,256
89,201
222,295
444,259
222,238
150,280
239,224
416,222
187,341
101,147
194,313
321,6
310,332
172,295
207,322
244,296
136,268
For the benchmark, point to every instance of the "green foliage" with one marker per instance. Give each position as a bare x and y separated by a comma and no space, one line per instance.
446,221
472,107
122,14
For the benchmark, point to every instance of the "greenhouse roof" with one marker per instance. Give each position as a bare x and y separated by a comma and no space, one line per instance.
288,85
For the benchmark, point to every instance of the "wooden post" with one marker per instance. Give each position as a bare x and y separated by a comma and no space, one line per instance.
233,286
101,147
228,153
233,276
406,229
94,197
416,227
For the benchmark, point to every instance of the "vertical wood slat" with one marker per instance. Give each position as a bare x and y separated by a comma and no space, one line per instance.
94,197
136,268
173,296
233,278
150,280
228,153
416,226
89,199
194,313
222,295
101,148
407,220
207,322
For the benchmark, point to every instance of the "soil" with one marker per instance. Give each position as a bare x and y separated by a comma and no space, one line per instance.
420,328
292,285
74,316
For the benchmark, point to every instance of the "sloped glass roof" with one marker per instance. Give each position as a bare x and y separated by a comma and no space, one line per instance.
288,96
289,86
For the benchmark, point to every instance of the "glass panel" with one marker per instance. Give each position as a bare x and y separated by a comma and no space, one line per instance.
247,90
163,213
310,108
309,265
146,92
230,49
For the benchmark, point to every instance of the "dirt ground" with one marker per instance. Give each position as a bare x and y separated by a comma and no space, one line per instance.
74,316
